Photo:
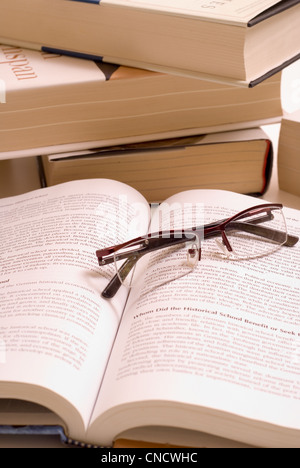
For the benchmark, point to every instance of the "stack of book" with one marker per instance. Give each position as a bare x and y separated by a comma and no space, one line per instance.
130,122
289,153
153,98
157,132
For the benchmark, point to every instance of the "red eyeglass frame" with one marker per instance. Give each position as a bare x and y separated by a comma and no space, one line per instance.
155,241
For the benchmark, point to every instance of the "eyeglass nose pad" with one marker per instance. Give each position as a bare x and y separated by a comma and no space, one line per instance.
193,254
222,247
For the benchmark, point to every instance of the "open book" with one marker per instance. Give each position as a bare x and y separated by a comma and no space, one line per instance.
215,351
240,161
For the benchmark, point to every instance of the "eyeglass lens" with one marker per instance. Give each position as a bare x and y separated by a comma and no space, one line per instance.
259,233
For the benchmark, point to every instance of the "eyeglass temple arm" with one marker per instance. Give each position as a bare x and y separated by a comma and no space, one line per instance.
265,232
115,283
262,231
150,245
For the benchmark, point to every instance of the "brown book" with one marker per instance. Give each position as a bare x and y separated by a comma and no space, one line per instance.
240,41
240,161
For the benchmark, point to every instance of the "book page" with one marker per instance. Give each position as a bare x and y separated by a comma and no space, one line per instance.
56,331
225,11
226,336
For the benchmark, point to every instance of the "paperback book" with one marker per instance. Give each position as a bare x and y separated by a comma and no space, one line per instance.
215,350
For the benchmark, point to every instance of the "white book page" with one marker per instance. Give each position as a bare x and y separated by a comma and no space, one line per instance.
56,331
226,336
225,10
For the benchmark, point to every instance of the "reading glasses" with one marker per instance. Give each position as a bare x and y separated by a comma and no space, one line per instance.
251,233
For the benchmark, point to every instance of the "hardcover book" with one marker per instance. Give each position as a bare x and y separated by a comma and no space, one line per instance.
239,161
56,103
240,41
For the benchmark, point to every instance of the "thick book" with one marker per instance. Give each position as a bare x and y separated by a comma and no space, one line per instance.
75,103
18,176
215,351
239,161
289,153
240,41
